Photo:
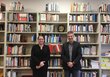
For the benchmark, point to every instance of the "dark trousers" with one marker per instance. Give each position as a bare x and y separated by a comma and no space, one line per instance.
39,73
72,73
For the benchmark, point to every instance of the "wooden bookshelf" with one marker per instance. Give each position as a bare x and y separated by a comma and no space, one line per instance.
21,36
93,34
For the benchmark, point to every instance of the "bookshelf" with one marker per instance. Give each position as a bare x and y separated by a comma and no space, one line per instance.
21,35
19,31
2,43
105,43
53,26
85,26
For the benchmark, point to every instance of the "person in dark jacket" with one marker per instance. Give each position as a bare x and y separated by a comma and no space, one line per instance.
40,55
71,56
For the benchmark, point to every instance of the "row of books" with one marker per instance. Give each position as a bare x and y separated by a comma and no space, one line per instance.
105,63
20,38
21,17
83,18
52,7
53,38
46,28
105,75
54,74
11,73
83,38
19,27
1,73
81,28
49,17
105,39
89,50
2,27
55,62
104,8
1,49
2,37
17,62
89,63
50,28
16,5
106,53
89,74
105,28
2,16
16,50
105,18
76,7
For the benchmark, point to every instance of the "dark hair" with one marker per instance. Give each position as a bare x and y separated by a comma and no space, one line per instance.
40,36
70,32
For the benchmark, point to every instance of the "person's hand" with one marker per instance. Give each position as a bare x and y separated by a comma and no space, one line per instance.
42,63
70,64
37,67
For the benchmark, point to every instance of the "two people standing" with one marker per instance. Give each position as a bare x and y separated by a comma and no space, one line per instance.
70,56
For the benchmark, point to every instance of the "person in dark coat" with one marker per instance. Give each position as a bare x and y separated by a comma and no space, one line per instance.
40,55
71,56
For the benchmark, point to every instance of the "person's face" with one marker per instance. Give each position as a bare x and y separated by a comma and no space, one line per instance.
70,37
41,40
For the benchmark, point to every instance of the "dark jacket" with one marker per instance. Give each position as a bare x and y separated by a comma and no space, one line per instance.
38,55
76,55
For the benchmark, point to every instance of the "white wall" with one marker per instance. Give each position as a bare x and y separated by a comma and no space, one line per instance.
39,5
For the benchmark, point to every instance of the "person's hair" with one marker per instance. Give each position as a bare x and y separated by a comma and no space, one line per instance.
40,36
70,32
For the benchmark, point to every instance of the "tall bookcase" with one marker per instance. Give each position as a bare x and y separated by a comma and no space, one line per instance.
19,31
86,31
21,35
53,26
2,43
105,43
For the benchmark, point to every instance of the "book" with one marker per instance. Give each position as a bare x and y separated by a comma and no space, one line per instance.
55,48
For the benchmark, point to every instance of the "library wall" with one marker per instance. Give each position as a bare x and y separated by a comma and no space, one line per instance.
39,5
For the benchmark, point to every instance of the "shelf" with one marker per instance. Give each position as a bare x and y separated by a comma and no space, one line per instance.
85,12
90,68
1,55
2,21
17,67
104,13
105,22
60,68
105,56
18,55
23,32
105,43
86,33
27,22
1,67
21,43
2,42
52,22
89,43
53,13
105,33
83,22
53,32
2,31
55,55
93,56
105,69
